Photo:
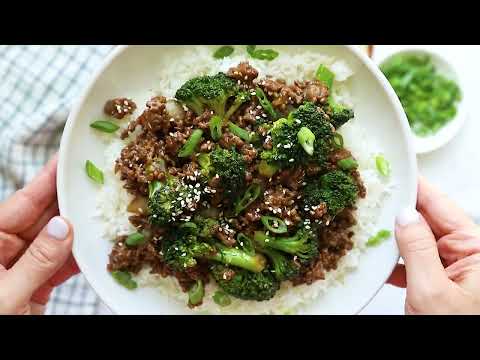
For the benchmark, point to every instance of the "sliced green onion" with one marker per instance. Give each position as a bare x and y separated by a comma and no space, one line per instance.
274,224
215,126
93,172
265,103
105,126
135,239
124,278
251,49
347,164
380,237
223,52
325,76
261,54
338,140
222,299
250,195
306,138
266,169
246,244
205,163
189,147
241,133
383,166
196,293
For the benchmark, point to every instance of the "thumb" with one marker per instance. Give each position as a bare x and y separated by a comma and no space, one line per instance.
419,251
43,258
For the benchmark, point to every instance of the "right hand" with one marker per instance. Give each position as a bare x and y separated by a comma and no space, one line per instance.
440,246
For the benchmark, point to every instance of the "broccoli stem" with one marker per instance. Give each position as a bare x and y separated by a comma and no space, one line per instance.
189,147
232,256
289,245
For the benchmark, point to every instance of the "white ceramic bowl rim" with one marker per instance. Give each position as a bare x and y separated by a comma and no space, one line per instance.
67,134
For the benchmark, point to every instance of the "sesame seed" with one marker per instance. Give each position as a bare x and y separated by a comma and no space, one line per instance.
291,160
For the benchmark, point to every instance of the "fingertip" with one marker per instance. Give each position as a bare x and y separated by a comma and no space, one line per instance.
407,216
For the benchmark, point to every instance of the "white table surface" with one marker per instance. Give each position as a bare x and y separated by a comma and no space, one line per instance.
454,168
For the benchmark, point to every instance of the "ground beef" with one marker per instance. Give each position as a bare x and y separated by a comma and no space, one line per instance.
314,91
338,155
280,201
203,120
228,140
226,238
249,115
119,108
292,178
244,73
126,258
134,160
249,153
284,95
175,140
154,119
334,242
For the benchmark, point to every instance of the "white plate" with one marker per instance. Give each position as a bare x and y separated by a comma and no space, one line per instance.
433,142
128,72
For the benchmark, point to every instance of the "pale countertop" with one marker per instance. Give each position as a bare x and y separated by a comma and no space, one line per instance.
453,168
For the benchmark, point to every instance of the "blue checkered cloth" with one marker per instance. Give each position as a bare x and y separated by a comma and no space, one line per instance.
38,85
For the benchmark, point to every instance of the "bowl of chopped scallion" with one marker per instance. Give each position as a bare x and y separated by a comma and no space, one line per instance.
430,91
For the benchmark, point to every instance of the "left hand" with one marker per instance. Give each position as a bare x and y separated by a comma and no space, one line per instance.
35,246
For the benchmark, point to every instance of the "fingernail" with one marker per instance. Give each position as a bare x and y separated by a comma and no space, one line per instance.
57,228
408,216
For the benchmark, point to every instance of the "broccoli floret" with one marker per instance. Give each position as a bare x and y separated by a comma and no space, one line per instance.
241,98
183,246
211,92
283,267
206,226
336,189
303,245
246,285
340,115
287,151
230,167
165,200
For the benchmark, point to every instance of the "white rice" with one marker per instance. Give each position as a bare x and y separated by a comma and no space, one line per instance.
112,200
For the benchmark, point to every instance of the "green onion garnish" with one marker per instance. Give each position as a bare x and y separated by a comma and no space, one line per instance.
124,278
241,133
265,103
383,166
196,293
250,195
261,54
222,299
93,172
246,244
347,164
189,147
135,239
325,76
223,52
338,141
274,224
380,237
306,138
215,126
105,126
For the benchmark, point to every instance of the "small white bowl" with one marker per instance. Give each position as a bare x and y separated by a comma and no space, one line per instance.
432,142
127,72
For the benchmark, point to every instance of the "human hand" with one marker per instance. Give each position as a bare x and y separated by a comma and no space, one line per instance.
440,246
35,246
